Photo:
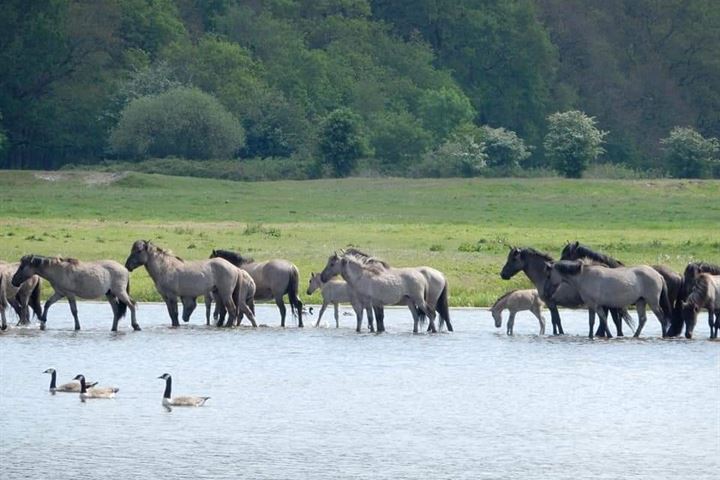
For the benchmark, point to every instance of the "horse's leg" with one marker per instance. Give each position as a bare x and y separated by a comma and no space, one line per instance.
125,298
208,308
73,310
281,306
379,319
717,323
244,308
53,298
322,310
711,321
602,313
555,318
371,319
617,320
359,309
642,317
538,314
172,308
116,313
655,307
591,321
511,322
336,311
600,332
4,320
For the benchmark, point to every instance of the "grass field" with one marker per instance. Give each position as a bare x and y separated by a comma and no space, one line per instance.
460,226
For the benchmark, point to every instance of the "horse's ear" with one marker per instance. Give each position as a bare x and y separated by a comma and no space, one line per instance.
548,267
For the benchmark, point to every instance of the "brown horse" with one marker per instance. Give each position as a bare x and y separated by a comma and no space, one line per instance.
705,294
690,275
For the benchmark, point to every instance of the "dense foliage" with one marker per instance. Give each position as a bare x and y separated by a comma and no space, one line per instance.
572,142
423,80
689,155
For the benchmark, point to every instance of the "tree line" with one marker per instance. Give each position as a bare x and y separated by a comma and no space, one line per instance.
333,87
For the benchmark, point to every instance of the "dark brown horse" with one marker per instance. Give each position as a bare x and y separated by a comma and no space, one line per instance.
692,271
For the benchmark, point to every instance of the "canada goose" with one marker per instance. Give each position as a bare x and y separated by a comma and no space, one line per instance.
95,392
184,401
72,387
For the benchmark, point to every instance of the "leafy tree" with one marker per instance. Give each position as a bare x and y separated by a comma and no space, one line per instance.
460,156
3,137
184,122
341,141
399,139
443,110
505,151
572,142
689,154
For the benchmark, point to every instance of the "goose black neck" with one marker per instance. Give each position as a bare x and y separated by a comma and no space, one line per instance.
83,388
168,387
53,377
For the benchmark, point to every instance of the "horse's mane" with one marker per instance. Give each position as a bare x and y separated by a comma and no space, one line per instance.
504,295
694,268
583,251
365,258
41,260
537,253
232,257
699,291
568,267
165,252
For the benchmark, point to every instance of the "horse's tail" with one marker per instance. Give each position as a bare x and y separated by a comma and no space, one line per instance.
665,305
292,293
34,301
122,306
443,308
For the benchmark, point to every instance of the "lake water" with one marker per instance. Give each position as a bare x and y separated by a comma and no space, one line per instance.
325,403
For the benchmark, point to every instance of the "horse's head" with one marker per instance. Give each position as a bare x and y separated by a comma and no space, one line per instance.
514,263
497,316
557,273
28,268
332,268
689,316
569,251
138,255
315,283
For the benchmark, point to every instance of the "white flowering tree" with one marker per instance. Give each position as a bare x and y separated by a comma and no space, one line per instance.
689,154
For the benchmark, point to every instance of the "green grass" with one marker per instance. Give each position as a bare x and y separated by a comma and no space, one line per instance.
460,226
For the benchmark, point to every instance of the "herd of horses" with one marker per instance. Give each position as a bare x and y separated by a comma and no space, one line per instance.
582,278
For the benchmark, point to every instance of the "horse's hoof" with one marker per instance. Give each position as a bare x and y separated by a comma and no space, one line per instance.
42,325
3,328
136,328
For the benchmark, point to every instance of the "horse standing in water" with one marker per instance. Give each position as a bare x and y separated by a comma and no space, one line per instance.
175,278
705,294
376,285
22,298
599,286
73,279
517,301
690,275
273,279
578,251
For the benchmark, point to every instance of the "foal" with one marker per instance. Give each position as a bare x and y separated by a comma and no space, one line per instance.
705,294
517,301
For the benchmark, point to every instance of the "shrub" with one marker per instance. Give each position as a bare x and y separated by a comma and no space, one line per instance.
443,110
689,154
183,121
505,150
572,142
342,142
461,156
398,140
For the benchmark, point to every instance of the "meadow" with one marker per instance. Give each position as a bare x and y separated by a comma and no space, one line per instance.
460,226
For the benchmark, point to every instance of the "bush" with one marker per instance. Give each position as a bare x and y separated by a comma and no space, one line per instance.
572,142
183,121
461,156
443,110
505,150
689,154
342,142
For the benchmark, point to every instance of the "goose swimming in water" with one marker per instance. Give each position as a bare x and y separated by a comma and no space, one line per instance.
185,401
95,392
71,387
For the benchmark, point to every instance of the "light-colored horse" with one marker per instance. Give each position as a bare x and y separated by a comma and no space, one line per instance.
246,294
600,286
175,278
273,279
374,285
22,298
335,291
705,294
437,294
73,279
517,301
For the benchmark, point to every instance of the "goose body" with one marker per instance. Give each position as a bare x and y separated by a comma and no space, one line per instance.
95,392
70,387
169,401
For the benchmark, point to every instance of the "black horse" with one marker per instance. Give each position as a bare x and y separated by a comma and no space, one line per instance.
692,270
578,251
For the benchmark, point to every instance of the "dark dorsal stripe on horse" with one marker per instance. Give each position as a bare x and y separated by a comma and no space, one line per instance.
41,260
169,253
568,267
365,257
232,257
503,297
